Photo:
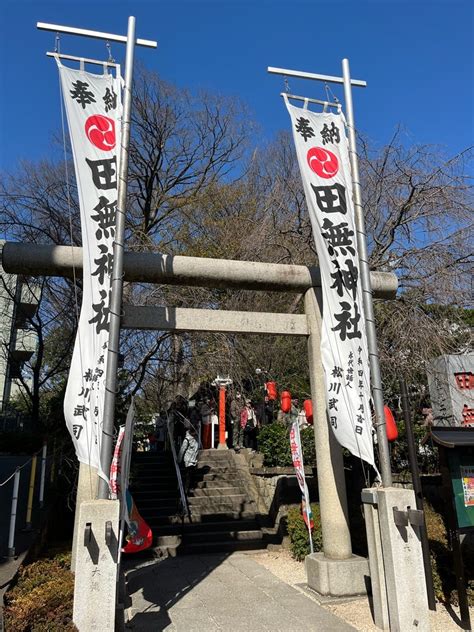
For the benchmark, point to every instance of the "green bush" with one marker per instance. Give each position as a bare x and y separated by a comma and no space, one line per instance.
42,599
298,532
274,444
309,449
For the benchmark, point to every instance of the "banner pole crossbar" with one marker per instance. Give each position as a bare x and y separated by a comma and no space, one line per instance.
310,100
44,26
311,75
86,60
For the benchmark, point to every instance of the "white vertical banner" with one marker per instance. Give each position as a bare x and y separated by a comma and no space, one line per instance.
323,157
297,458
116,467
94,109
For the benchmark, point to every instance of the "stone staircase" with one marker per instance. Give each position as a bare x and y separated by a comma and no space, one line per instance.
154,487
223,517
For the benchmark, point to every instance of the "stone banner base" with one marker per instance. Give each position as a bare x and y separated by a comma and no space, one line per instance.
337,578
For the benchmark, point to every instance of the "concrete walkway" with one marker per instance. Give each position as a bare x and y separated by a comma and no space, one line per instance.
230,592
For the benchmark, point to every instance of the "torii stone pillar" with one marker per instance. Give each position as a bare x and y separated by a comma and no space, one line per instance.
335,571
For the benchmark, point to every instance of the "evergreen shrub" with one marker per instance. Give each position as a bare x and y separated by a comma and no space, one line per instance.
298,532
42,598
274,444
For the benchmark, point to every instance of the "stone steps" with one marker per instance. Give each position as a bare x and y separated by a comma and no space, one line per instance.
153,481
220,468
154,466
210,492
220,476
154,457
160,522
215,454
220,547
187,529
151,511
163,497
155,471
211,484
223,536
156,499
234,500
223,514
222,517
209,541
210,504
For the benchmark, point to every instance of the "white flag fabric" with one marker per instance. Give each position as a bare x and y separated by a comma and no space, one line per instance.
116,467
93,108
323,158
297,458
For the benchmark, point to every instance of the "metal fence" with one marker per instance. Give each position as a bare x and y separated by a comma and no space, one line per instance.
31,477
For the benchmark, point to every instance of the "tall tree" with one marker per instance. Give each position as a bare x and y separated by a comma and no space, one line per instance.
182,144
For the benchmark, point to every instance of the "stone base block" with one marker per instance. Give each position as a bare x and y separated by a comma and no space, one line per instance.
96,566
403,562
338,578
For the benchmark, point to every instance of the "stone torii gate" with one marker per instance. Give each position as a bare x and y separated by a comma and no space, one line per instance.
339,572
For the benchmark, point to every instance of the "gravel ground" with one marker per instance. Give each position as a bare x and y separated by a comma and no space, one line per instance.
357,611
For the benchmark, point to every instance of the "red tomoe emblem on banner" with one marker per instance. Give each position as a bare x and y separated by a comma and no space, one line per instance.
100,130
323,162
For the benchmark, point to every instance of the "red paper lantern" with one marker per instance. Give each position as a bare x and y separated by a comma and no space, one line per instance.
390,425
308,410
285,401
271,390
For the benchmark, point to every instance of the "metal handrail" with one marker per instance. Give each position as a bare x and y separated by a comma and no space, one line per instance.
184,500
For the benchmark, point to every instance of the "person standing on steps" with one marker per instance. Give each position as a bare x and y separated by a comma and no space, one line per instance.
235,410
248,421
206,427
160,431
188,456
196,421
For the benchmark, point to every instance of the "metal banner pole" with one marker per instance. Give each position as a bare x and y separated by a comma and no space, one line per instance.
377,392
43,474
111,37
117,271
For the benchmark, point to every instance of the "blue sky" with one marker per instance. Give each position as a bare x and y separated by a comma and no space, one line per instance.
417,57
